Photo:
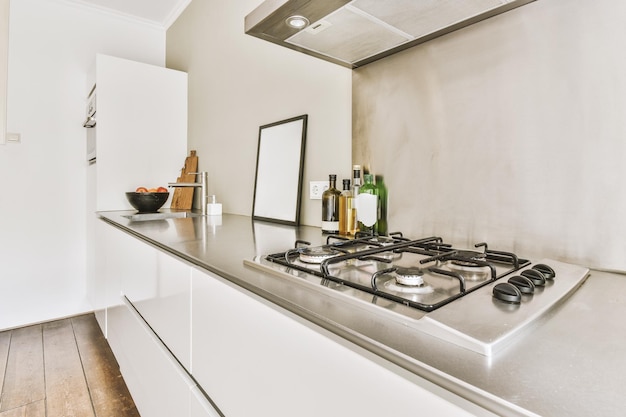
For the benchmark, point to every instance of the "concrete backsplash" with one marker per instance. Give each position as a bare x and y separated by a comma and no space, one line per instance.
511,131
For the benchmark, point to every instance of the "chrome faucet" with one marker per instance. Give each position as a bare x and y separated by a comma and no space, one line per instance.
204,198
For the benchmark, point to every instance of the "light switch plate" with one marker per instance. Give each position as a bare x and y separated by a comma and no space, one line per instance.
13,138
316,189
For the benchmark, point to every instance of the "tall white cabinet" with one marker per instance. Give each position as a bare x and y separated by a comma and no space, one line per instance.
141,128
141,140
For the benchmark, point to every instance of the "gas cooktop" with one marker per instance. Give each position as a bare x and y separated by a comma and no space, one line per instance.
478,298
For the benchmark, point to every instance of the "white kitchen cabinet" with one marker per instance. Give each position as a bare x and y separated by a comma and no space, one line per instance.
146,339
161,292
121,258
157,284
253,358
158,385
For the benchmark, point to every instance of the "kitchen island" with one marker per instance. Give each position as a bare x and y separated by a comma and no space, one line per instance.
568,364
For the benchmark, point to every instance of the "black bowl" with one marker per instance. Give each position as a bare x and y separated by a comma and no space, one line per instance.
147,202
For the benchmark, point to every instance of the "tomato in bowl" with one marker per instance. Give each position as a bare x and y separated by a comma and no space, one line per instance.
148,200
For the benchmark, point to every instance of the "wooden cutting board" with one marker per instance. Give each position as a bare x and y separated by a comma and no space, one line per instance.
183,196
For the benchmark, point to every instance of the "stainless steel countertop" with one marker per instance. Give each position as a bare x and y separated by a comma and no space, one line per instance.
571,363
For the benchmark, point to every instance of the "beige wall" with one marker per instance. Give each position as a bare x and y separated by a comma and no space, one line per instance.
43,204
4,51
238,83
512,131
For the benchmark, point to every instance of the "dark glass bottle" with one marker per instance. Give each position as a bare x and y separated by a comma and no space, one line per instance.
356,179
367,206
347,212
356,185
330,206
383,201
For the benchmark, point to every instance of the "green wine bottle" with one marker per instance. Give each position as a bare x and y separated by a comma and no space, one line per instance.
383,200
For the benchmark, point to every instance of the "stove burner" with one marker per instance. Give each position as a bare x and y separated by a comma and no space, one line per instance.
383,240
468,258
470,271
410,276
465,263
316,254
396,286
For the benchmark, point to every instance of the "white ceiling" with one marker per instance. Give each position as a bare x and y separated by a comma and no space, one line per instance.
157,12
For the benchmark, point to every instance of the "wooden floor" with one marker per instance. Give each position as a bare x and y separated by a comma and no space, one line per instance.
63,368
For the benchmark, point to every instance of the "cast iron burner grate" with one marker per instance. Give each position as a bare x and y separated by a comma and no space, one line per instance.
339,252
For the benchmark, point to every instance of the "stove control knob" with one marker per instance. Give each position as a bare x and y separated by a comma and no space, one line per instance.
523,284
507,292
546,270
535,276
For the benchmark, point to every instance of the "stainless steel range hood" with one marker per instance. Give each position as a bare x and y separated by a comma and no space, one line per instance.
355,33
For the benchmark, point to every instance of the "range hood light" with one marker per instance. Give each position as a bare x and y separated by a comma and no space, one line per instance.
297,22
